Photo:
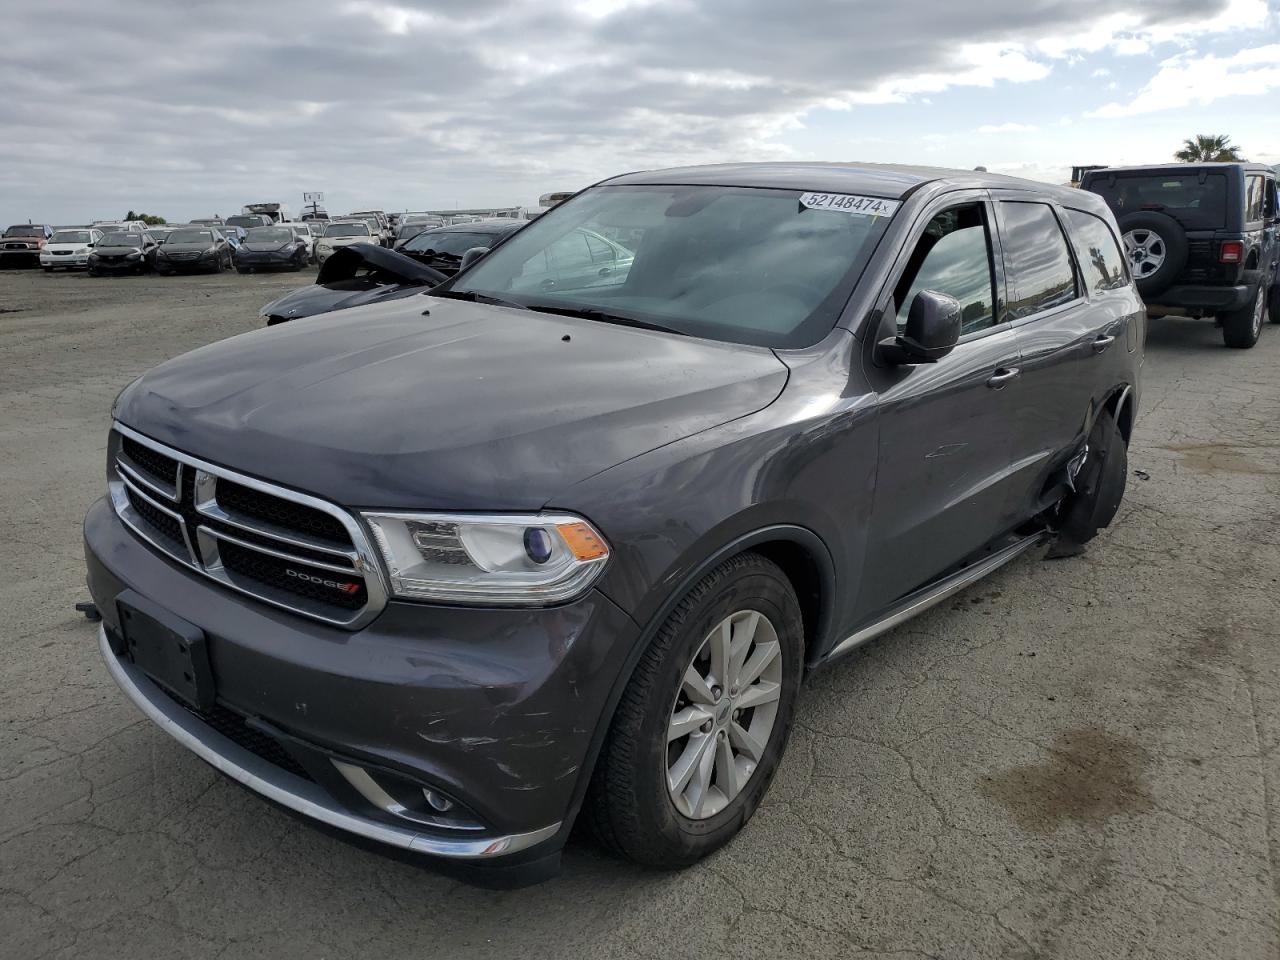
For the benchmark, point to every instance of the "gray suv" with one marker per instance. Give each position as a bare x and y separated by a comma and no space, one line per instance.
449,572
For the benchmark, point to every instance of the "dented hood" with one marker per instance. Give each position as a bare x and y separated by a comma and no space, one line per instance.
472,407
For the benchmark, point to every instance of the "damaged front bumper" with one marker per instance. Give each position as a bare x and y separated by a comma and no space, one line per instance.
493,710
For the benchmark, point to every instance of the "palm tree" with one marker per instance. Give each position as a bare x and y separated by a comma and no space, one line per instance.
1203,148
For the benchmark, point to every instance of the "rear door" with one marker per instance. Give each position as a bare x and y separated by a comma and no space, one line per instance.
943,480
1073,343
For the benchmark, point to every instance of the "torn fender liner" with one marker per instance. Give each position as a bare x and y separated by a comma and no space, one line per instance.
345,262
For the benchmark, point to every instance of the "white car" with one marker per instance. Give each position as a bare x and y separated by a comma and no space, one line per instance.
342,233
69,249
119,226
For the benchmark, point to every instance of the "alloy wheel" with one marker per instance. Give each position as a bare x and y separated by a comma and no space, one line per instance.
1259,311
723,714
1146,250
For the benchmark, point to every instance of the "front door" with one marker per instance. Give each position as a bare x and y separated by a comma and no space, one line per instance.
945,446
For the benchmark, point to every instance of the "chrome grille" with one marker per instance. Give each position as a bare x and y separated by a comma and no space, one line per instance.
283,547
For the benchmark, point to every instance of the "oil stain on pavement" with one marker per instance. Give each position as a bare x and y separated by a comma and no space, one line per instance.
1089,777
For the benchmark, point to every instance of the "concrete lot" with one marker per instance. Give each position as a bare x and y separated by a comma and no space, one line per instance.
1072,759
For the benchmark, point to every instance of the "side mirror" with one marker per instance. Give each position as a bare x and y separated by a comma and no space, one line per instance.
933,329
471,256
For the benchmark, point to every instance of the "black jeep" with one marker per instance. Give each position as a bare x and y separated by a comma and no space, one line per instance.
1201,240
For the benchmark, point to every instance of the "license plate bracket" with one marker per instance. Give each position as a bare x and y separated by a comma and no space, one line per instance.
168,649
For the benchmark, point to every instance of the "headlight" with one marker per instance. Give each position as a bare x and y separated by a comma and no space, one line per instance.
489,559
82,251
133,253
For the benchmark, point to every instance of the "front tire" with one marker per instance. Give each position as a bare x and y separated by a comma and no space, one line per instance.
1241,328
702,725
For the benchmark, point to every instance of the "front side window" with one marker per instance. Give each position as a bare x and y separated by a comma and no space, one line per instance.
745,265
1035,254
952,256
1097,252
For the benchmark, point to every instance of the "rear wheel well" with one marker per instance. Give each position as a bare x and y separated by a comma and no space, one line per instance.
806,579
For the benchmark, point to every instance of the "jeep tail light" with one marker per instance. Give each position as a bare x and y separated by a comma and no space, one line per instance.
1231,251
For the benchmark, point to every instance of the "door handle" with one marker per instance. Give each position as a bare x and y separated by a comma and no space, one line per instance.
1002,376
1102,341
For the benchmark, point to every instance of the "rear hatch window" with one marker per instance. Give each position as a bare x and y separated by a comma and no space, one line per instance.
1195,204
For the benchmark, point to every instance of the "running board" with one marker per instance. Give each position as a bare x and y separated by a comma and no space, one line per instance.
935,593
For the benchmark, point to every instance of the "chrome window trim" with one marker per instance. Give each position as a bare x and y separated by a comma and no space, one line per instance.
363,558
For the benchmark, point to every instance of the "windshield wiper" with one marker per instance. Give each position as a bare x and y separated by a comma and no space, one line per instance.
472,297
603,316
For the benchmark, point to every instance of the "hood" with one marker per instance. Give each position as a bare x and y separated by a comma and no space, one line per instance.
472,407
384,275
315,299
387,266
272,247
344,241
66,246
115,251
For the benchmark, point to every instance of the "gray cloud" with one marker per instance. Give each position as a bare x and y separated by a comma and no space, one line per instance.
184,109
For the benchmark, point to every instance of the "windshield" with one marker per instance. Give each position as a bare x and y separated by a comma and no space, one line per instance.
190,236
71,236
449,244
1196,205
745,265
121,240
347,230
246,221
269,235
24,230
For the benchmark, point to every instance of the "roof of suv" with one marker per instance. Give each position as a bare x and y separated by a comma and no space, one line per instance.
888,180
1182,167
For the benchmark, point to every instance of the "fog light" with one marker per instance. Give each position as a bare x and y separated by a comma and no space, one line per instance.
438,802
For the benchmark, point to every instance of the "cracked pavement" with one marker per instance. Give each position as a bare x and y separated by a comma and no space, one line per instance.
1071,759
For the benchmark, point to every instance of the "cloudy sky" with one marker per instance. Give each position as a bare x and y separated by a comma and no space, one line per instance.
187,109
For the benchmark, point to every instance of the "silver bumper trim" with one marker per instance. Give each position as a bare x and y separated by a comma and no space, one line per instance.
285,788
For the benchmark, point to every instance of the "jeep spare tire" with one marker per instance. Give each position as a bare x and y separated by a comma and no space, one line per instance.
1156,246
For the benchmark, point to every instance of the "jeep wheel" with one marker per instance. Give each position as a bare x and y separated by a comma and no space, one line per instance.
702,724
1157,250
1241,328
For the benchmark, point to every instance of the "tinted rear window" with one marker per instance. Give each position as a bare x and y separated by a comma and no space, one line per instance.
1196,205
1097,252
1041,275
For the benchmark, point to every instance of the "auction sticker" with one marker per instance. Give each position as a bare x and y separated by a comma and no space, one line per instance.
850,203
